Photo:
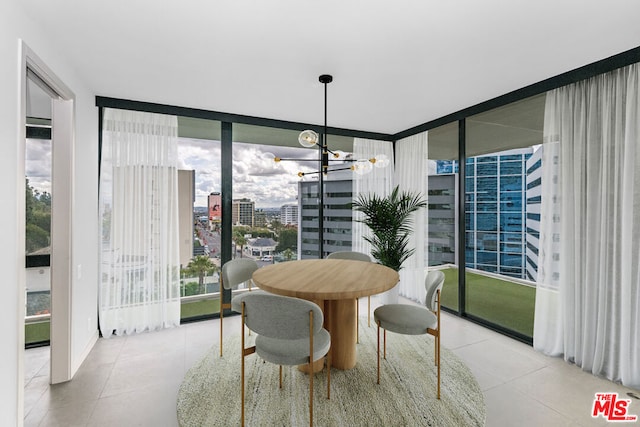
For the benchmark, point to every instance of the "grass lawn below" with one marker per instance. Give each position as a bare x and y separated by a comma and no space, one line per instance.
502,302
40,332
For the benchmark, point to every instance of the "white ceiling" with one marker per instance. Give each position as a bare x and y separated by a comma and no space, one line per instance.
396,64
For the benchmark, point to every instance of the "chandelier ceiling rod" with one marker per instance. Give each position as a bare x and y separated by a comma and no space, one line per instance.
325,79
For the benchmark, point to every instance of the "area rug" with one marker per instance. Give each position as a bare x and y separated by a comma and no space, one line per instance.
406,396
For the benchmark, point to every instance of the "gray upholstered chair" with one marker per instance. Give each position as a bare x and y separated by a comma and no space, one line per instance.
356,256
234,273
289,332
414,320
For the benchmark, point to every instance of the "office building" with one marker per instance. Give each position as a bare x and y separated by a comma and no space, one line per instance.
495,211
442,216
337,215
289,214
214,208
259,218
243,212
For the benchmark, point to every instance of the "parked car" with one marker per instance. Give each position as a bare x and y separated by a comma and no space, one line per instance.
267,258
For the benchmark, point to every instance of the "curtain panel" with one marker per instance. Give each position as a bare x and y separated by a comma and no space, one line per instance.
378,181
411,174
588,293
140,268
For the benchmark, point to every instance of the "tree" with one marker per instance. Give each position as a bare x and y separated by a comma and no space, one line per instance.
201,266
288,240
276,225
389,220
38,219
288,254
240,240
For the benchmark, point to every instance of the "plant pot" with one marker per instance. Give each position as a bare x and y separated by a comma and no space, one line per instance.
391,296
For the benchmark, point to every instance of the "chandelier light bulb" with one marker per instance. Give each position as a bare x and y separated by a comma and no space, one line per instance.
271,156
381,161
308,138
362,167
340,155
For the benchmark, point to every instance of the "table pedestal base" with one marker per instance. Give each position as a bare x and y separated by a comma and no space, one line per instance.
340,320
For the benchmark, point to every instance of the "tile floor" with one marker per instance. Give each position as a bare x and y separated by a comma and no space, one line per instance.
133,381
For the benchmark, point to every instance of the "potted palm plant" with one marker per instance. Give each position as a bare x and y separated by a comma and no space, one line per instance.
389,220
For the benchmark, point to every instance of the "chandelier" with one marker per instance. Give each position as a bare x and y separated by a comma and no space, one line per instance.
310,139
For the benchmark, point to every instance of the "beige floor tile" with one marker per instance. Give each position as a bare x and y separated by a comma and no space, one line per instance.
134,380
508,407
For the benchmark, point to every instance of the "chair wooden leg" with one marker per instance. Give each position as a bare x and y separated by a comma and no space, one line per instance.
438,359
221,317
378,352
311,368
438,334
369,311
385,344
357,321
329,375
280,376
241,366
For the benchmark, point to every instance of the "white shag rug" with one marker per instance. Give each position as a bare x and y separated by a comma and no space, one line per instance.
406,396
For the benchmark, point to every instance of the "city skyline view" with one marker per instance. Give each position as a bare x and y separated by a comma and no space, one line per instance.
255,175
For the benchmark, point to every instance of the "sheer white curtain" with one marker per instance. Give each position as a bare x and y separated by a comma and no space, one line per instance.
588,296
411,175
140,269
379,181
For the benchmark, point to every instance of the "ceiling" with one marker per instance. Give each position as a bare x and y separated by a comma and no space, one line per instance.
395,64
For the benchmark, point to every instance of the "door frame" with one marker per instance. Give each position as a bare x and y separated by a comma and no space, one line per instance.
63,177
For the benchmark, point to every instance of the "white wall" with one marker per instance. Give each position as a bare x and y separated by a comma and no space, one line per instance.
14,25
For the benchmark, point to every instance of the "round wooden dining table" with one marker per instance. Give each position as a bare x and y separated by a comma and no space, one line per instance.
335,285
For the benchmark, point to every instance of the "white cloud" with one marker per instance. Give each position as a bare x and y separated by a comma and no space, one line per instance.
38,164
255,175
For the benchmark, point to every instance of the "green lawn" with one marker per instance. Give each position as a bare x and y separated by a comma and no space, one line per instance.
199,308
38,332
501,302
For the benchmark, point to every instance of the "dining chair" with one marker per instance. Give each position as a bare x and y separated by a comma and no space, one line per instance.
409,319
234,273
289,332
355,256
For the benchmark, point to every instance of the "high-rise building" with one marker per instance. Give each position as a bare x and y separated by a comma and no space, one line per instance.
259,218
338,195
214,208
495,211
242,212
442,212
289,214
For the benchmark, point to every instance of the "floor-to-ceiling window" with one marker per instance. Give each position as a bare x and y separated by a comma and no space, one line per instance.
443,208
199,186
276,196
501,189
500,144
